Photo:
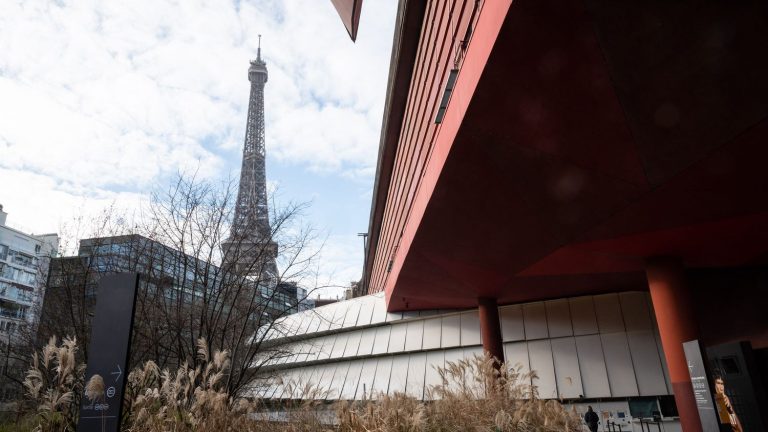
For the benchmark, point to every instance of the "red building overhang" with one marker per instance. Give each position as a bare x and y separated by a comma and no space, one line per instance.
582,138
349,12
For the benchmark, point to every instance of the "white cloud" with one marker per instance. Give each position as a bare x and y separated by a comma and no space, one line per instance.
99,101
38,204
340,265
133,88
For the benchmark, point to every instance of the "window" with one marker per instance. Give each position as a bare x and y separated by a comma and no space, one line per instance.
643,407
668,406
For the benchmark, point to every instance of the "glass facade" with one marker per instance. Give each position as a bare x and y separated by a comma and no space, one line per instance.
178,294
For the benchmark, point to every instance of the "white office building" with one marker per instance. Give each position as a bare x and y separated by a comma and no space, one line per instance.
24,262
23,270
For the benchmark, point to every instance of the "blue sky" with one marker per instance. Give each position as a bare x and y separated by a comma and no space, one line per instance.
100,102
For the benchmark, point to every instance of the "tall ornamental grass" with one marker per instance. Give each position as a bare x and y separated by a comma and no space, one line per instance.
474,394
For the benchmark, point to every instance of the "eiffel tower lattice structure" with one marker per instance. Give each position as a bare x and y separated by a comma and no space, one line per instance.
250,247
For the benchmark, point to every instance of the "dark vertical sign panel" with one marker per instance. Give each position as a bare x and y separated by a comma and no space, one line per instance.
108,352
701,387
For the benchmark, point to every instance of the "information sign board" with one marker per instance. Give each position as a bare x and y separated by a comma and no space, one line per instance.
101,407
702,391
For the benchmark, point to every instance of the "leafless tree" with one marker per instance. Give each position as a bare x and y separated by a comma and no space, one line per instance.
199,278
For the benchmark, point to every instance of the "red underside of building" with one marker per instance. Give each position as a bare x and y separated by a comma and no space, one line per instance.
588,146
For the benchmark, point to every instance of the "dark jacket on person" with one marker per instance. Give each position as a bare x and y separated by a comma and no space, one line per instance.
590,418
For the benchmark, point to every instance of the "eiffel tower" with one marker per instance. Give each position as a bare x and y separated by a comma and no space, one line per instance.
250,247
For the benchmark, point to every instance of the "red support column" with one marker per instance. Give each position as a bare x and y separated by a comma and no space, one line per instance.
672,303
490,327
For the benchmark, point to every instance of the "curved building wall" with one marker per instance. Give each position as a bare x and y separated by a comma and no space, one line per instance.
594,347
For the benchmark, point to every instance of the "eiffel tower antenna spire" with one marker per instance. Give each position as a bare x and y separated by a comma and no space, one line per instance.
250,246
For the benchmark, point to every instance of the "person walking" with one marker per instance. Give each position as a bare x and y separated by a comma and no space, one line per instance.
591,419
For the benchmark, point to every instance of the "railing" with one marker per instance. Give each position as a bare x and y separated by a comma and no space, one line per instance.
10,292
648,423
12,314
615,427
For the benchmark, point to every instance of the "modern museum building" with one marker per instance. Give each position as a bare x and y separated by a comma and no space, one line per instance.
577,186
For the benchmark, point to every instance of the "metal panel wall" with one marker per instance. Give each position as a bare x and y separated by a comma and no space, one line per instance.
350,318
394,316
381,342
435,360
311,377
353,378
645,358
325,351
634,309
540,354
618,363
567,371
305,319
452,356
414,335
451,331
605,364
397,338
381,381
353,343
339,377
366,342
326,317
516,355
558,318
367,374
432,333
295,381
512,327
470,328
417,363
398,378
583,316
316,320
340,345
410,314
324,378
608,311
379,311
366,311
535,320
329,313
305,349
592,366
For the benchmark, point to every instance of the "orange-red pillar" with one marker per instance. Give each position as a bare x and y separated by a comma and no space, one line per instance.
490,327
672,303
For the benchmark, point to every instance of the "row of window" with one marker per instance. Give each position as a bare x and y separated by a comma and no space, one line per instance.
18,275
10,326
15,312
17,257
12,292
